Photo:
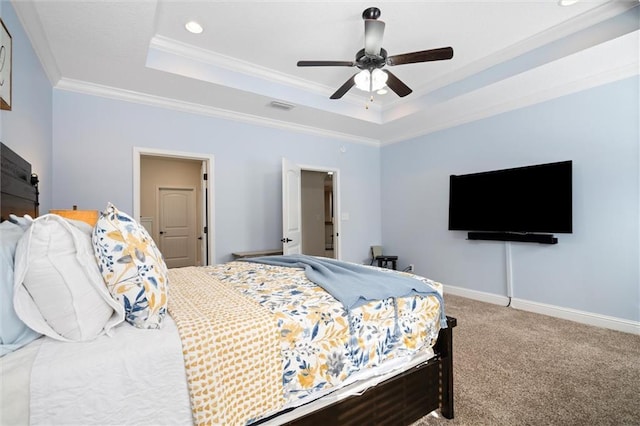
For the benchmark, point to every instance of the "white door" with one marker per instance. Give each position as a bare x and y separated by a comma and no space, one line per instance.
291,208
177,222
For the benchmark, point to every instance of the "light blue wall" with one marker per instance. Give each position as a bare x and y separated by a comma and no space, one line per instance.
93,164
27,128
595,269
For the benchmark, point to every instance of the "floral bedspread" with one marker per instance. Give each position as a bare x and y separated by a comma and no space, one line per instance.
322,344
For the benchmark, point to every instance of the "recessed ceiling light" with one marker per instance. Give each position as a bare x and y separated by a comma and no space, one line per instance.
382,92
193,27
567,2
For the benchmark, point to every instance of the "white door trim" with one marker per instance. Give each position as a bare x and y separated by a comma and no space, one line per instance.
204,187
206,158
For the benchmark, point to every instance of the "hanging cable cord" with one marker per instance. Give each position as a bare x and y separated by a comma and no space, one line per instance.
509,271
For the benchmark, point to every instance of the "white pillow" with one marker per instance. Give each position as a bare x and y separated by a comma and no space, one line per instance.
58,289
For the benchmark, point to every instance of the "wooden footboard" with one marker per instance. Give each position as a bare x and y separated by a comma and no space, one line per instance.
444,350
402,399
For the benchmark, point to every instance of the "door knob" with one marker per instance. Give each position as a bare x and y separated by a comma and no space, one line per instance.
161,232
286,240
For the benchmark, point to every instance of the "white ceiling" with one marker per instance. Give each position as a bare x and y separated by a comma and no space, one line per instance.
507,54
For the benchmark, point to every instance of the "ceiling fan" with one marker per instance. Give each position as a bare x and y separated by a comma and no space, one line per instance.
373,58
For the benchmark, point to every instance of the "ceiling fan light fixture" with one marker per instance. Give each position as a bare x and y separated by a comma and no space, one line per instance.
193,27
370,60
567,2
371,81
363,79
378,79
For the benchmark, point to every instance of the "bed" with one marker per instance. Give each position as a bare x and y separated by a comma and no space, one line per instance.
402,376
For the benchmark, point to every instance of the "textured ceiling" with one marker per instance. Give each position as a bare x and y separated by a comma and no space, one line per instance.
506,54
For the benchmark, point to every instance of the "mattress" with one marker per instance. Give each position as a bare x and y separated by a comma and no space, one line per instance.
138,376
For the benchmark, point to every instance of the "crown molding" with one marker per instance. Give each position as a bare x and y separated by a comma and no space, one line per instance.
194,53
443,117
597,66
28,17
518,102
193,108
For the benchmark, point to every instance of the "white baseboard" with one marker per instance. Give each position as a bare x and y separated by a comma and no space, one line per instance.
477,295
583,317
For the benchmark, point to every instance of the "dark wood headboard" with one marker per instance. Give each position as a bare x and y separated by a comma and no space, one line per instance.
18,186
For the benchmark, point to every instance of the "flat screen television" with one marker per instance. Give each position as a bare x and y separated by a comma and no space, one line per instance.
532,199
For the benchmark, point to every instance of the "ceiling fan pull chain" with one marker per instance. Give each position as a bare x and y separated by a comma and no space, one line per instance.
366,105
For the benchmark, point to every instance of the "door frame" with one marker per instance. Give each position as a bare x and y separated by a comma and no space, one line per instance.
336,203
207,200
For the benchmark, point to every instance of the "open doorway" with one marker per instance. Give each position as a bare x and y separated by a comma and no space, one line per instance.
317,201
170,197
318,232
172,200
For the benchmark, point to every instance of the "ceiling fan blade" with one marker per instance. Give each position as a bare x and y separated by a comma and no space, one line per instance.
326,63
373,32
396,85
440,54
344,88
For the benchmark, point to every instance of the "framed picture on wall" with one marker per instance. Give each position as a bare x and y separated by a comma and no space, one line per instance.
6,57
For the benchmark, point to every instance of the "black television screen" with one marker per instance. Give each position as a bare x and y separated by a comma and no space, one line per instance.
525,199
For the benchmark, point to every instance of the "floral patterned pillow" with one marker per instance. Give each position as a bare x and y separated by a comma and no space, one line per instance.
132,267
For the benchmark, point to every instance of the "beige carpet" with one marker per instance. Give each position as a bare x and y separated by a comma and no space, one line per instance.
518,368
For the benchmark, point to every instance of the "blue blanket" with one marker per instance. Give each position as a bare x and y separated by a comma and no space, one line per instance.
354,285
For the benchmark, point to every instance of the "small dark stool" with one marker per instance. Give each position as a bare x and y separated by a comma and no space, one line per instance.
383,261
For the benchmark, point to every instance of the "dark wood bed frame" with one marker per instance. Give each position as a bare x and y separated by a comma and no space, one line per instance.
18,186
400,400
